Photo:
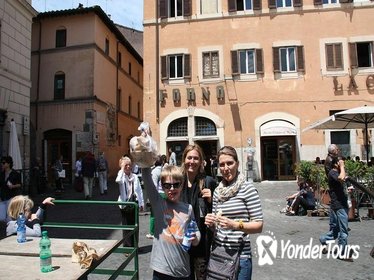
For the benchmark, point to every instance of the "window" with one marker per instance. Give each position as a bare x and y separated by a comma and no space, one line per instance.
334,56
361,54
273,4
178,128
342,139
106,47
288,59
60,38
242,5
130,106
210,65
204,127
59,88
119,59
138,110
175,66
130,68
329,2
174,8
208,6
246,61
119,99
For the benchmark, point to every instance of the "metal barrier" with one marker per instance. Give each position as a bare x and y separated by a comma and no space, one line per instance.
130,229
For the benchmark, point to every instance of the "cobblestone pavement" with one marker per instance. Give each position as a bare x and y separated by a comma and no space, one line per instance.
288,232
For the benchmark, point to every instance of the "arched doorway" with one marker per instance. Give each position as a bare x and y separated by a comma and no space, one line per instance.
278,150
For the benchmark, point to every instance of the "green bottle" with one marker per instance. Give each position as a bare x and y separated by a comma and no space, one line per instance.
45,253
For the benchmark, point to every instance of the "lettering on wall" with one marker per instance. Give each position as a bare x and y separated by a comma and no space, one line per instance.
352,83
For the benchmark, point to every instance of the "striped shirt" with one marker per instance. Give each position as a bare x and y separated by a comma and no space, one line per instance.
245,206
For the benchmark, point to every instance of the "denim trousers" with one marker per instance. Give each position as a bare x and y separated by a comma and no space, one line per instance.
338,228
245,269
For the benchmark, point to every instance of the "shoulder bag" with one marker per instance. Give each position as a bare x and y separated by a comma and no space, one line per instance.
224,263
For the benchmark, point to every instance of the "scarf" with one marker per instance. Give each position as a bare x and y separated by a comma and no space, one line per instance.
225,192
129,182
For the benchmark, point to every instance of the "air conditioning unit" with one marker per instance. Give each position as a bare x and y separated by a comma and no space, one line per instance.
220,92
205,93
191,94
176,95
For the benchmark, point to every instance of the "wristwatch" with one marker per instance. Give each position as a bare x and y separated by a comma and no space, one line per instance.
241,225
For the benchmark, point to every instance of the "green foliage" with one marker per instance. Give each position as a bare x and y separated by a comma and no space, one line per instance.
355,169
313,174
369,177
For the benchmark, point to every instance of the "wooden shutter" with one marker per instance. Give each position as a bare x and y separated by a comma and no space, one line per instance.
272,4
187,66
353,55
234,63
257,5
259,61
163,8
164,72
276,66
232,5
330,56
300,59
187,6
338,55
318,2
297,3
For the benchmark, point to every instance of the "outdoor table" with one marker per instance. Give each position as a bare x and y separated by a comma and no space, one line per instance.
21,260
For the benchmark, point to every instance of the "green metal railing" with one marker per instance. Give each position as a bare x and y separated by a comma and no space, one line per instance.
130,230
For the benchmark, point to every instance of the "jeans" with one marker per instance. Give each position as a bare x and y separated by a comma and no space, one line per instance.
245,269
338,228
103,181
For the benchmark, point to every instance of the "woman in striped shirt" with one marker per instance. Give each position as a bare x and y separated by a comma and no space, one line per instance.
236,211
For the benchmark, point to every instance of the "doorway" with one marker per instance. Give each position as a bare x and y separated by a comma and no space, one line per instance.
58,143
278,156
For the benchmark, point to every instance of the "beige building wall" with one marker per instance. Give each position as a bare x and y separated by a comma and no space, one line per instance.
252,101
95,114
15,65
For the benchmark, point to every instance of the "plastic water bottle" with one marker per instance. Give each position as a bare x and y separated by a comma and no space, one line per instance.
45,253
21,228
189,231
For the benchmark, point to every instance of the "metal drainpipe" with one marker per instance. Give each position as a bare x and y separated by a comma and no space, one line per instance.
116,91
157,66
38,78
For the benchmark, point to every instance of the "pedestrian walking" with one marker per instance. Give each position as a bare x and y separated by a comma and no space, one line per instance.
88,173
102,169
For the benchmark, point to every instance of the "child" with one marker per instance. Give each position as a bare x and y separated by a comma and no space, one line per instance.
168,259
23,204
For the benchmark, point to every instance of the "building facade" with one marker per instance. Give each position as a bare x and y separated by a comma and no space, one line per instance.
253,74
15,80
87,92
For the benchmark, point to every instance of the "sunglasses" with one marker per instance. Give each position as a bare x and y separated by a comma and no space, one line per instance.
168,186
4,162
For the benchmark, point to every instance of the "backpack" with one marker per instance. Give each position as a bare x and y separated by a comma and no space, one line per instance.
102,165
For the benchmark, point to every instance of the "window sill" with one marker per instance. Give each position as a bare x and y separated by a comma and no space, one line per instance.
288,76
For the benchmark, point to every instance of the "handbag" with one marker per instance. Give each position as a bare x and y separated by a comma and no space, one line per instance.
223,263
61,174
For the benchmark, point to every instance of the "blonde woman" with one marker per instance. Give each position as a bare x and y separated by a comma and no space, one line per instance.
23,204
130,190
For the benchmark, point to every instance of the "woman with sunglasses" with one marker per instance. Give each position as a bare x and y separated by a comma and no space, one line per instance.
168,258
197,190
10,183
237,210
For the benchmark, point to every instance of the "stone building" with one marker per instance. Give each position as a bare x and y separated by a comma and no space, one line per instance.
15,81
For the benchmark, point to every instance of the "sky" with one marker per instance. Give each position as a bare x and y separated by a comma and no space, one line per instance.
128,13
